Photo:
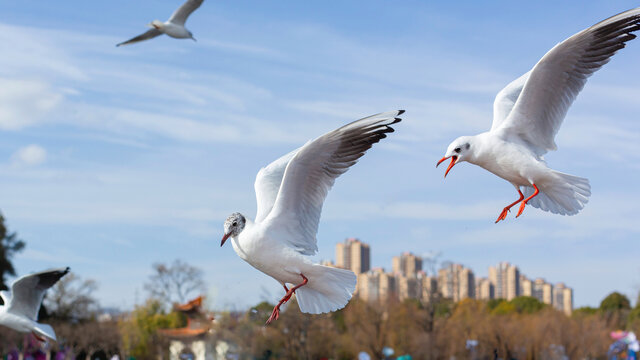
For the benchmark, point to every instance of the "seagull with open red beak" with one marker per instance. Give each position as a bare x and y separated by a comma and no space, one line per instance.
529,111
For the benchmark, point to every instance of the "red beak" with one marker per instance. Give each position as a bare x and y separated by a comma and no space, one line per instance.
453,162
224,238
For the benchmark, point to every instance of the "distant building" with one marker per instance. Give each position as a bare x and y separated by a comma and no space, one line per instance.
567,298
456,282
354,255
526,286
484,289
192,341
429,287
563,298
407,264
506,280
376,285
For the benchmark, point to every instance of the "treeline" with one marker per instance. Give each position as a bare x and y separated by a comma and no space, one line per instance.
522,328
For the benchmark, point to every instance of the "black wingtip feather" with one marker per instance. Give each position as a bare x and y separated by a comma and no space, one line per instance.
400,112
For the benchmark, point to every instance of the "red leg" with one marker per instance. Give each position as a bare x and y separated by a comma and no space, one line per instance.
527,199
275,314
503,214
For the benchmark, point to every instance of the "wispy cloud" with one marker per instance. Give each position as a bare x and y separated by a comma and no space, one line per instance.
29,155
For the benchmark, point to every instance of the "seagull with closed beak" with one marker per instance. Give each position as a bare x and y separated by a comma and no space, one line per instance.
529,111
290,193
21,305
173,27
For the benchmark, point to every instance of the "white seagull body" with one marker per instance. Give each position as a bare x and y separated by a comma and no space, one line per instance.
21,305
173,27
527,115
290,193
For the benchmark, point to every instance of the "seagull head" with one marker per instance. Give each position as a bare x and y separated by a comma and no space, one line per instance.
459,150
233,226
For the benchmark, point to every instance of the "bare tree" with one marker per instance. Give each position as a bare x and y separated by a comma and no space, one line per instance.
71,299
176,282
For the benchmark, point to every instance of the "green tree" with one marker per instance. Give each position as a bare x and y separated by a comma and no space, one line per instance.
139,330
9,246
614,302
527,304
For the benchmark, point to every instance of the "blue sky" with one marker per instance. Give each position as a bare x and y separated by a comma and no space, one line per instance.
112,159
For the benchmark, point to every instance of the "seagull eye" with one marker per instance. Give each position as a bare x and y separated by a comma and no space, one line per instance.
457,149
235,223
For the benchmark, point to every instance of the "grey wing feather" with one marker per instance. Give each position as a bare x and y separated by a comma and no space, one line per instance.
180,16
28,291
312,171
142,37
555,81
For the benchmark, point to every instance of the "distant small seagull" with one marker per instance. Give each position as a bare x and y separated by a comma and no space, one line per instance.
173,27
21,305
290,193
528,113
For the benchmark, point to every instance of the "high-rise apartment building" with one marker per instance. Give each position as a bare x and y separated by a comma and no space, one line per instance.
456,282
484,289
526,286
376,285
506,280
409,287
567,299
407,264
354,255
429,286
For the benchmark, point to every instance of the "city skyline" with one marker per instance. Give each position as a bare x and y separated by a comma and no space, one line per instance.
454,281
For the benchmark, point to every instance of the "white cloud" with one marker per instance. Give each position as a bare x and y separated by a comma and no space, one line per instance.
25,102
30,155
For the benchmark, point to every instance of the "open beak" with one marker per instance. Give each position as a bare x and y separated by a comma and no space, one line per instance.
453,162
224,238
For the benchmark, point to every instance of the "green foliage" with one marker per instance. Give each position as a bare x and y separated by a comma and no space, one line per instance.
527,304
493,303
614,302
139,330
9,246
585,311
504,308
443,308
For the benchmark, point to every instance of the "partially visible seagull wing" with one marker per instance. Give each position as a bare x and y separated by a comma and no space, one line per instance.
312,171
268,183
142,37
506,98
27,292
6,297
556,80
179,17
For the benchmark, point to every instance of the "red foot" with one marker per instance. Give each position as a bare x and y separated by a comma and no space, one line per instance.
527,199
505,211
275,314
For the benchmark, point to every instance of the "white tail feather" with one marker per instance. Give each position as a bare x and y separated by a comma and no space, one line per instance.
329,289
566,195
45,330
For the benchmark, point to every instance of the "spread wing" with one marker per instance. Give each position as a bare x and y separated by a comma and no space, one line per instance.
506,98
179,17
268,183
555,81
312,171
27,292
142,37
